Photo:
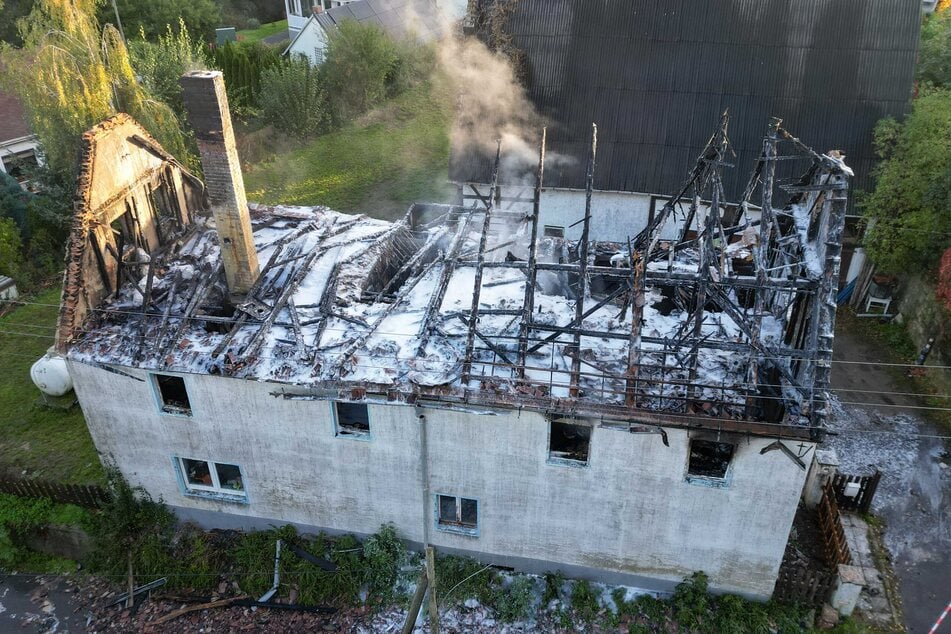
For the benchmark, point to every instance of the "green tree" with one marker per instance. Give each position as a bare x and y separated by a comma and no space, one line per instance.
154,16
358,60
71,75
161,64
10,249
364,66
10,12
934,55
292,98
907,216
242,64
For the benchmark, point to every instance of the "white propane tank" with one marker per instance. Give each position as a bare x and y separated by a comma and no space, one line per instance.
51,375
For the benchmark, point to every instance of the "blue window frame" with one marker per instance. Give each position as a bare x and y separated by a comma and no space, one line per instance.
171,394
214,480
351,420
457,514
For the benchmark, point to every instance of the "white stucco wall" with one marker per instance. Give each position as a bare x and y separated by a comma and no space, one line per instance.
311,42
629,511
615,216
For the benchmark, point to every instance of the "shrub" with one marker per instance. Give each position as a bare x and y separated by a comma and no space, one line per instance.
584,601
253,23
242,64
292,98
161,64
514,602
382,555
462,578
553,584
363,66
691,602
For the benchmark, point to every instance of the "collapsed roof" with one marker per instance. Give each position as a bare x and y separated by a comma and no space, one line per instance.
730,325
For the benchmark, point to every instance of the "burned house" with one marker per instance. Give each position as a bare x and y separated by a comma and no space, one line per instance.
630,410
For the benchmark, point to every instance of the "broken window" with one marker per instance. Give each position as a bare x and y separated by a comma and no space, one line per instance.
353,419
216,479
553,231
569,442
457,513
709,459
173,394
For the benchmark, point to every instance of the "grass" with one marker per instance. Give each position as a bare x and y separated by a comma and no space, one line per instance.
378,165
263,31
42,442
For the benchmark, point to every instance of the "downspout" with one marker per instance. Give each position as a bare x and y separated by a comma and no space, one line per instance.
424,471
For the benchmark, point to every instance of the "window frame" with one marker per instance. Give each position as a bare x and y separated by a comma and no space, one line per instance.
350,435
457,527
553,231
160,400
569,462
215,491
711,481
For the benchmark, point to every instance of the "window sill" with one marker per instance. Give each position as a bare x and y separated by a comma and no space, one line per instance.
567,462
709,482
365,437
231,498
458,530
177,413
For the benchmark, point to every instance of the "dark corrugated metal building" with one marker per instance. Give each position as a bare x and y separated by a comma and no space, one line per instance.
656,75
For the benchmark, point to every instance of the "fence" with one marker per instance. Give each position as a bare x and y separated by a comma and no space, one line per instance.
800,583
86,495
834,545
860,502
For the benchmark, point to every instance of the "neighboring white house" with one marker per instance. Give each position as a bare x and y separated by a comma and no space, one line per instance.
19,147
618,411
399,18
298,11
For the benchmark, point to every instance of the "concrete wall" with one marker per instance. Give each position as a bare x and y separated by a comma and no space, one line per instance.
628,516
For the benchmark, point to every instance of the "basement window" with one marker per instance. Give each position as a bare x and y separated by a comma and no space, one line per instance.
352,420
173,395
709,461
457,514
217,480
553,231
568,443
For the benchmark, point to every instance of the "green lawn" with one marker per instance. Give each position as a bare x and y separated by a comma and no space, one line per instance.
263,31
387,159
46,443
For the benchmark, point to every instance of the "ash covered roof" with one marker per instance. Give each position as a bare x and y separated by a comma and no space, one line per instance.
471,306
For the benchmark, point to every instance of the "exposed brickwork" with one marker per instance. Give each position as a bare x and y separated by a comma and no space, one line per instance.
207,105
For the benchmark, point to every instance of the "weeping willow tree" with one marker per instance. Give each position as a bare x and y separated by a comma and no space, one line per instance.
71,74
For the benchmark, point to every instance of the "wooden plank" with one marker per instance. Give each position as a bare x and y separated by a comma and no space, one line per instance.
431,575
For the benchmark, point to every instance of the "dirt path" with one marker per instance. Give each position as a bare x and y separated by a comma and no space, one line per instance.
914,496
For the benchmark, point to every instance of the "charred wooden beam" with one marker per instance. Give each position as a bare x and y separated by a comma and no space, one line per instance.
477,284
529,298
582,289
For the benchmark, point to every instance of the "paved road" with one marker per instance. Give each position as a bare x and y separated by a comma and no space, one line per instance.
914,496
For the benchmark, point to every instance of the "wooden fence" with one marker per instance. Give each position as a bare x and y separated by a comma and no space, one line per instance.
89,496
834,545
800,583
863,500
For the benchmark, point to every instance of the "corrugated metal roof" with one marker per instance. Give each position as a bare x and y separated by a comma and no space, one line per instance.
655,77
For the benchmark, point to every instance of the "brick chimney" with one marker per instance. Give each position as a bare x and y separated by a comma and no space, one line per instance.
207,106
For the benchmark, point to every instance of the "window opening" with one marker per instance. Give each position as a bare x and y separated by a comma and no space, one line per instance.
553,231
206,477
458,512
353,419
174,395
569,442
709,459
